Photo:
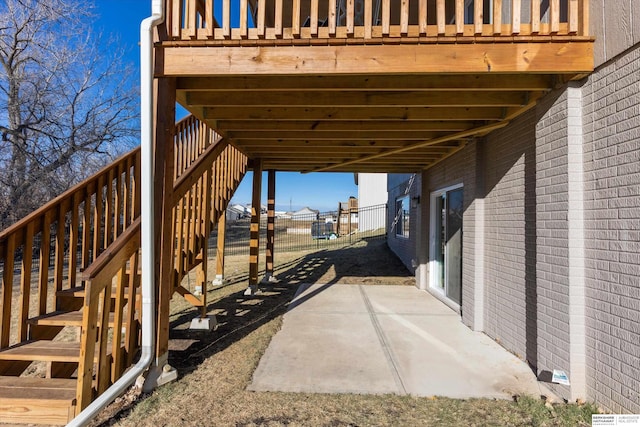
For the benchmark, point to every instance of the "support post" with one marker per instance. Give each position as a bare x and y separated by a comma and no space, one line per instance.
165,113
271,227
254,243
222,226
205,224
204,321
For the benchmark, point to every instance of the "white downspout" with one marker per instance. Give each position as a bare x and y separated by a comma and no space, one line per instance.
147,225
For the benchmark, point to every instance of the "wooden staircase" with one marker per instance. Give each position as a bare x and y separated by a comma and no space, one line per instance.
74,373
66,272
37,400
71,312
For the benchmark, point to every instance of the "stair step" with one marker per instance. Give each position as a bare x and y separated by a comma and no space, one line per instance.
78,292
62,318
26,400
45,351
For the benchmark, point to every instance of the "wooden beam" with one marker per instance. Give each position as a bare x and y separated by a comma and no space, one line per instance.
357,99
165,113
345,135
401,114
332,126
307,163
356,168
254,242
187,295
333,144
305,150
555,58
339,83
476,131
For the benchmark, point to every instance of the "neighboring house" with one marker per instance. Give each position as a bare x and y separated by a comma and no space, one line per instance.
532,233
263,208
372,196
236,212
304,214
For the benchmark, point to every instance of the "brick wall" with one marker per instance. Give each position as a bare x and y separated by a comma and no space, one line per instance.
552,234
399,185
509,200
560,190
612,236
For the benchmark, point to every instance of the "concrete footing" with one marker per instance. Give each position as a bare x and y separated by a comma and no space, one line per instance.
269,279
208,323
156,377
251,290
218,281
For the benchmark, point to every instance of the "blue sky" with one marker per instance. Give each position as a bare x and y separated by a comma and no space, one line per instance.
323,191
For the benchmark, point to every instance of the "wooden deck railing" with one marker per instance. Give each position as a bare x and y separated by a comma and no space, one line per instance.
62,239
376,19
207,171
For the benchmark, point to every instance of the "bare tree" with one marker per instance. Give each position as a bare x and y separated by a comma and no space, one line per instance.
67,102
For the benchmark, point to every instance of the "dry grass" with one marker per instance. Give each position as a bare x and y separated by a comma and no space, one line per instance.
215,368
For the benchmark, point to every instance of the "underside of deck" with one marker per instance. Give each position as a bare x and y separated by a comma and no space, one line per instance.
364,108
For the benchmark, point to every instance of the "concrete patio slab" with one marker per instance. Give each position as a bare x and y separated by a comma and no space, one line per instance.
385,339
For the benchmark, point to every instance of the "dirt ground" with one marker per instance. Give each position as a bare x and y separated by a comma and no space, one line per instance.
216,367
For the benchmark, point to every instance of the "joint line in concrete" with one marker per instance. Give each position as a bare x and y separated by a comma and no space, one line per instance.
386,349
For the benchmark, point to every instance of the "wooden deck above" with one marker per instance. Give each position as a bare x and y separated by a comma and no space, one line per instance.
380,86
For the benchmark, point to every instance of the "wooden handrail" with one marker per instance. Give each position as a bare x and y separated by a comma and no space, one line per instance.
110,261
